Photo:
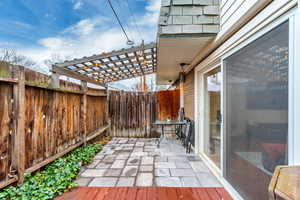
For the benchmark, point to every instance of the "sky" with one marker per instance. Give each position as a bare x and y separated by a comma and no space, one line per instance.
43,29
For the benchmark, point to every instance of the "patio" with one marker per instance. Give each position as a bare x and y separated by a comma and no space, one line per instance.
138,162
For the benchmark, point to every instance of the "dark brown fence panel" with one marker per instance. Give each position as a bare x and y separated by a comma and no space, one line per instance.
52,123
96,113
168,104
6,123
132,113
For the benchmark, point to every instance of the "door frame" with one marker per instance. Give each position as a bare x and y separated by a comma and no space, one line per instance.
201,113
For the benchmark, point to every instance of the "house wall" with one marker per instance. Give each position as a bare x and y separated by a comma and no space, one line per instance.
188,94
188,91
181,17
232,11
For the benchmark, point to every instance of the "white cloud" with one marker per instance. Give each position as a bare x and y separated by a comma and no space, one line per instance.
152,14
78,4
86,26
54,43
154,6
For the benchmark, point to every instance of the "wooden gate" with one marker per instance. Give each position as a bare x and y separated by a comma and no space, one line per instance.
133,113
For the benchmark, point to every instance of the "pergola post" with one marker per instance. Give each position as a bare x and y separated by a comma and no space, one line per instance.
84,110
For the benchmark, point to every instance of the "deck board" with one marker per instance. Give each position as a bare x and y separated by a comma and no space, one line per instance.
212,192
202,194
145,193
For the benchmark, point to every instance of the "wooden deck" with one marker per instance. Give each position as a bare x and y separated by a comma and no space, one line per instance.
145,193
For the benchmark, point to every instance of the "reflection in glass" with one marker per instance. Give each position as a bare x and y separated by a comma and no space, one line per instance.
213,115
257,112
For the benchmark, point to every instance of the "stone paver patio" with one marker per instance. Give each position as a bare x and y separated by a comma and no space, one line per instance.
138,162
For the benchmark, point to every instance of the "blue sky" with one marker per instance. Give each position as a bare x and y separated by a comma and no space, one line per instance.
40,29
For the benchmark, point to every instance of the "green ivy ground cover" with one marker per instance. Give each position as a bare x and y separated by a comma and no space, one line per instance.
55,179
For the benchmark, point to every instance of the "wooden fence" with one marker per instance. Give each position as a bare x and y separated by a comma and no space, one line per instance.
39,123
133,113
168,103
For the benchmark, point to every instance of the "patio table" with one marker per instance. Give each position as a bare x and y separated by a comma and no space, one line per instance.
164,123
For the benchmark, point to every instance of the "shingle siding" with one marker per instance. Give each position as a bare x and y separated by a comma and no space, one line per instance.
189,16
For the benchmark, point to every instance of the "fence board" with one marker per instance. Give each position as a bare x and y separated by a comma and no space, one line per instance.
96,113
6,123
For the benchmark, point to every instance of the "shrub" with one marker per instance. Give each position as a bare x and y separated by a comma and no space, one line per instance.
55,179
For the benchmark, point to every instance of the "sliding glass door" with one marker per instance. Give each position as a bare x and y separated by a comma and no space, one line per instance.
256,107
212,147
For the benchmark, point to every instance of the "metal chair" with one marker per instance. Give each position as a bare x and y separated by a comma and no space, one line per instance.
191,136
186,133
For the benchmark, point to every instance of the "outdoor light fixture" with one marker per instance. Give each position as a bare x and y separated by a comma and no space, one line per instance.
182,65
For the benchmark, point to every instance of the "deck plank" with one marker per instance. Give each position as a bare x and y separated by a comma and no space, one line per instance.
202,194
121,193
152,193
141,193
212,192
187,194
112,194
132,193
172,193
162,193
145,193
224,194
102,193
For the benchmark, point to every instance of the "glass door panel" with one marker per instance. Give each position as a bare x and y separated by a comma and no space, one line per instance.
213,115
256,118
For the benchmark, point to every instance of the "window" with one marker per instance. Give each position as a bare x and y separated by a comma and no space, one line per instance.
257,112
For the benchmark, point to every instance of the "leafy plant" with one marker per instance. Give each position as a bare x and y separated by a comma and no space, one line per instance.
55,179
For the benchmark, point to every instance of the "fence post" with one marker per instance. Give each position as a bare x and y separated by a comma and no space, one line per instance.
84,109
19,113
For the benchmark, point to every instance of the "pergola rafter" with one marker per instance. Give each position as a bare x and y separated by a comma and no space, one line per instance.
109,67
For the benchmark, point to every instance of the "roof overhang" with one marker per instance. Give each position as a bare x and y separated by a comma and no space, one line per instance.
172,51
184,29
110,67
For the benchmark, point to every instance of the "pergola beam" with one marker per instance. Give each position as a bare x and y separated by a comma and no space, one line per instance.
110,67
102,56
75,75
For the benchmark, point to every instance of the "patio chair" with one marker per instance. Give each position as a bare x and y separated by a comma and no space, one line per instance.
179,130
186,132
191,136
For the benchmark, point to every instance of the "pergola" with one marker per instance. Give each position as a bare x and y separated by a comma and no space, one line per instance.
113,66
